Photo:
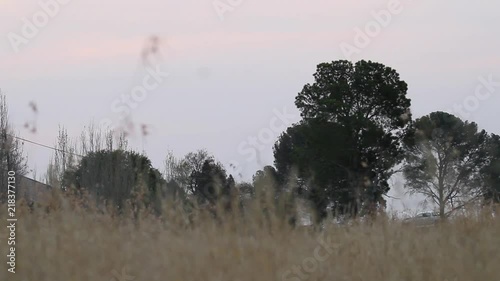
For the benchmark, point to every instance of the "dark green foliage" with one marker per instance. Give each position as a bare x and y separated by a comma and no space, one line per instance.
356,96
267,180
211,183
354,119
245,190
491,172
444,159
117,176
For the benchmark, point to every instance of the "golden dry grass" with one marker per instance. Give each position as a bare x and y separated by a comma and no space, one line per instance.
70,243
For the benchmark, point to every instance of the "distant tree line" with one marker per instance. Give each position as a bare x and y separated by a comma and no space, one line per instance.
356,132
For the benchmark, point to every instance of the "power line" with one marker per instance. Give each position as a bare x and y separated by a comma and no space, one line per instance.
46,146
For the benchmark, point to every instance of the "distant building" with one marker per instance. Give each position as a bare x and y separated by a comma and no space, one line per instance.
31,190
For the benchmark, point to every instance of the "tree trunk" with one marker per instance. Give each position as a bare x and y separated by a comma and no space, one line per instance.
442,214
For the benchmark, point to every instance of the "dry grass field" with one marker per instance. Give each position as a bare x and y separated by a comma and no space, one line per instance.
61,241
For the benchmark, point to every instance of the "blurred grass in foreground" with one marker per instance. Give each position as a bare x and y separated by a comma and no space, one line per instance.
62,240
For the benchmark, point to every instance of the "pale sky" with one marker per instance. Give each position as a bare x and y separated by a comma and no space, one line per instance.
230,70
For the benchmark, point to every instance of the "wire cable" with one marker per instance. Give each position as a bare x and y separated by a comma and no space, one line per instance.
45,146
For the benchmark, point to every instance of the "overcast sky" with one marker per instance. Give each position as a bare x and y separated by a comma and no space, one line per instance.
234,66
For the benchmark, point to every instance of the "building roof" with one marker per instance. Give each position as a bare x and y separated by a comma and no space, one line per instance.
31,190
